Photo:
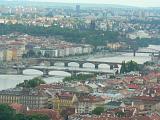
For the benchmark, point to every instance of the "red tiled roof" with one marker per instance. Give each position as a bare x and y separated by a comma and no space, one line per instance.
114,118
17,107
133,86
155,116
148,98
53,115
54,86
91,99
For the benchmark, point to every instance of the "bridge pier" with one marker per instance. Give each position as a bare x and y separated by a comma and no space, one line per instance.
19,71
66,64
134,53
111,67
52,63
96,66
80,65
45,72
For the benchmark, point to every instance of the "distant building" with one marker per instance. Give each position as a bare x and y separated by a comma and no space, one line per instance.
78,9
156,58
86,104
50,52
64,100
139,34
93,25
8,55
34,99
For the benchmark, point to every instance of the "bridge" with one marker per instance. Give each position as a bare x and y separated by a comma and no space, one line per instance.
52,61
141,50
72,70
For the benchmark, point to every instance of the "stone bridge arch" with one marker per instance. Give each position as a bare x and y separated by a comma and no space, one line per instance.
88,65
32,72
104,66
59,73
58,63
72,64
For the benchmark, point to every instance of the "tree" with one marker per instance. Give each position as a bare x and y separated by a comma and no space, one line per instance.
94,37
46,55
79,77
38,117
129,66
98,110
31,53
21,117
6,112
123,68
148,63
31,83
111,67
39,54
132,66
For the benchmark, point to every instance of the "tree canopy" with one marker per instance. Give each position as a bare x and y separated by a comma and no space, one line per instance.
31,83
7,113
98,110
149,63
129,66
94,37
80,77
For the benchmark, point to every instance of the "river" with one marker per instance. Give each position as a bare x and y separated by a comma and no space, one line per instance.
10,81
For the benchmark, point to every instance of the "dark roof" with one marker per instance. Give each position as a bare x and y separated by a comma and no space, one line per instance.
114,103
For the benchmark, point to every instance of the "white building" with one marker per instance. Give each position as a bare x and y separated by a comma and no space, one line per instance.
87,104
61,52
140,34
87,49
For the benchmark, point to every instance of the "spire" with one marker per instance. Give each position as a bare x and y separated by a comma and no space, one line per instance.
74,99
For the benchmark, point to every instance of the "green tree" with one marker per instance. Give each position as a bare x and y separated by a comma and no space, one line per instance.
123,68
21,117
148,63
31,53
6,112
31,83
129,66
39,54
79,77
132,66
94,37
38,117
46,55
98,110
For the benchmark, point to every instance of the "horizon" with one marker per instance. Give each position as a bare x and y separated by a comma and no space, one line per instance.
134,3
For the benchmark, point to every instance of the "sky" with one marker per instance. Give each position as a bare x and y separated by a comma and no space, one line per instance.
139,3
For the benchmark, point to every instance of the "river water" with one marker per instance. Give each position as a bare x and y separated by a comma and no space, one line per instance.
10,81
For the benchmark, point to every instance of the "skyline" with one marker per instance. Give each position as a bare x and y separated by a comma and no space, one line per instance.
138,3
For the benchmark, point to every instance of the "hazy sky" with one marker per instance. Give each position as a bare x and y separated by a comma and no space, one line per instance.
141,3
